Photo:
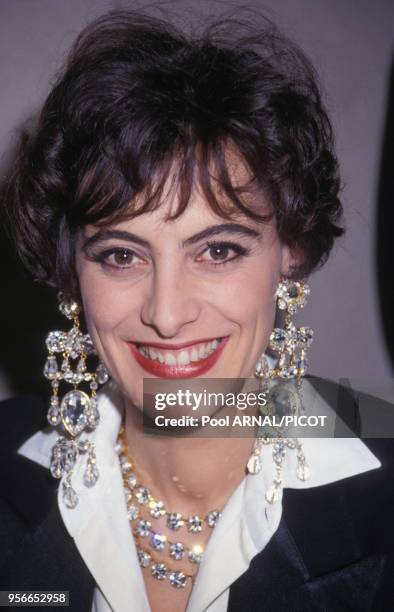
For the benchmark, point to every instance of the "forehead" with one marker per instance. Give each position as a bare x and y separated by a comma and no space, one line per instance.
198,213
156,227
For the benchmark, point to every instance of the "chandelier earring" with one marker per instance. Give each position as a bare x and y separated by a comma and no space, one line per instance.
290,343
76,412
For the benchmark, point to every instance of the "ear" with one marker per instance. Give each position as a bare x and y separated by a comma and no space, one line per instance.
290,261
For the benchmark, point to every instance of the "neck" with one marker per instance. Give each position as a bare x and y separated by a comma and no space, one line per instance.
190,474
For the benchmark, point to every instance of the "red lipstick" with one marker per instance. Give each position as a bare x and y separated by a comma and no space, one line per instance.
190,370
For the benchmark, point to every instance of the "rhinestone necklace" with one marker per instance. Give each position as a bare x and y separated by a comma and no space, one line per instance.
138,497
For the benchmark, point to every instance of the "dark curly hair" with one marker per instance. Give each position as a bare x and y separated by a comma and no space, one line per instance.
137,95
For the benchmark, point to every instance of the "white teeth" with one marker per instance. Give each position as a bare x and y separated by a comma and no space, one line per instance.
183,358
194,355
169,359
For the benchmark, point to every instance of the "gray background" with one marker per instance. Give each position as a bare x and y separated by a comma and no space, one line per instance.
350,43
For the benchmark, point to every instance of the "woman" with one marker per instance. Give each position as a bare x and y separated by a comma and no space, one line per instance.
176,190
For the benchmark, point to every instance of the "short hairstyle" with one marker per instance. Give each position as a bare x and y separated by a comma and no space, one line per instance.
136,95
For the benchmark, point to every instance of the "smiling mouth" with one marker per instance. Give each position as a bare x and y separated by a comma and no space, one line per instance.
178,361
180,357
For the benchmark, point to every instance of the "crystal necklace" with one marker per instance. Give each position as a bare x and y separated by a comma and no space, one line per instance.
149,540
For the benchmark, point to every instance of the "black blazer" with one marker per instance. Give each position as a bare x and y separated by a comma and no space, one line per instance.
333,550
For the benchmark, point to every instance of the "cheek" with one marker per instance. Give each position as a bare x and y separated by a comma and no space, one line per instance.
104,308
249,297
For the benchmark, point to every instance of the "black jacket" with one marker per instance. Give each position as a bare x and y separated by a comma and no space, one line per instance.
333,550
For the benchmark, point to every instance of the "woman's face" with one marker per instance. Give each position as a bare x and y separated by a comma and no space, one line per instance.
185,298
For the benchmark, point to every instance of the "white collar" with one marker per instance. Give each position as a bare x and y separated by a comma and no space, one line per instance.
101,530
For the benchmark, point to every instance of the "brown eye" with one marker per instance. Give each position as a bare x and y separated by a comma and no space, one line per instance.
221,253
123,257
218,252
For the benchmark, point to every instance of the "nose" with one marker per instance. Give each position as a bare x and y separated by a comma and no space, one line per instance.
171,302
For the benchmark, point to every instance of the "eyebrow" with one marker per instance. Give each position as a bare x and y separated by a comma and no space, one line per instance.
103,235
230,228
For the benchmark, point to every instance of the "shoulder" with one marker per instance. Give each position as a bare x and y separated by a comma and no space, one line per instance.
36,551
364,414
26,488
21,417
366,500
344,531
333,549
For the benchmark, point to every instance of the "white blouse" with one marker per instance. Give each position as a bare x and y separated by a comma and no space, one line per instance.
101,529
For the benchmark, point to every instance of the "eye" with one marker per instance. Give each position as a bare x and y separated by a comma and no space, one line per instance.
219,253
122,257
117,258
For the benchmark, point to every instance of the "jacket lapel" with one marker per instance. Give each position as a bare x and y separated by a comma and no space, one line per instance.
40,554
274,575
313,561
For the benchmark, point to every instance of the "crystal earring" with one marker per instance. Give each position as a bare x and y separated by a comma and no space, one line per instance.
77,411
291,343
